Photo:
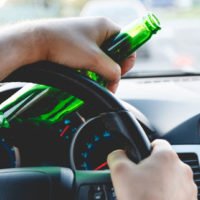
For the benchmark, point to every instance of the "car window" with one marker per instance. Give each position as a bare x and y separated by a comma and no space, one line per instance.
175,48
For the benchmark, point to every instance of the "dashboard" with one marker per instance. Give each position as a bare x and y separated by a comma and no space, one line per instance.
166,108
39,125
171,104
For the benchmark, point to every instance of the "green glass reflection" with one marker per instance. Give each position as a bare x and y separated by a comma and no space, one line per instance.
3,121
39,104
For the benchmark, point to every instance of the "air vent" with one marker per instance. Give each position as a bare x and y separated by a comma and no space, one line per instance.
192,160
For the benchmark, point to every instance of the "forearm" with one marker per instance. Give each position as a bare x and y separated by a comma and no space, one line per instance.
71,42
19,45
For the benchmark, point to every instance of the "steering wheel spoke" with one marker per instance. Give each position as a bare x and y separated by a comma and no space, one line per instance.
37,183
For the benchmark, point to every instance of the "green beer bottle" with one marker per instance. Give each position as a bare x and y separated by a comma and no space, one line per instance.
130,38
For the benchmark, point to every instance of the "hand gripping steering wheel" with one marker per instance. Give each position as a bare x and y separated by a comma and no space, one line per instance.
56,183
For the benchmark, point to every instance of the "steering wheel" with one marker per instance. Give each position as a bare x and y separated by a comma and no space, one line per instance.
57,183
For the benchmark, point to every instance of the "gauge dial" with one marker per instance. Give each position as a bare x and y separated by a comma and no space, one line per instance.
91,149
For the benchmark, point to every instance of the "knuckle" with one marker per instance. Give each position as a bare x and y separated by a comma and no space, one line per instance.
195,189
167,155
104,21
95,57
97,60
116,74
188,171
195,192
161,142
120,167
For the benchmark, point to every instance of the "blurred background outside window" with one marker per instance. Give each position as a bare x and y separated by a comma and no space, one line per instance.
175,48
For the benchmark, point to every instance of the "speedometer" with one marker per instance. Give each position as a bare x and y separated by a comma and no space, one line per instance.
90,149
94,149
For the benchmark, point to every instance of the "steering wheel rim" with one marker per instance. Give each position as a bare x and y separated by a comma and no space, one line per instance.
59,76
64,78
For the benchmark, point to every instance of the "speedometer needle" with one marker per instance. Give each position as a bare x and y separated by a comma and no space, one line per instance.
64,130
101,166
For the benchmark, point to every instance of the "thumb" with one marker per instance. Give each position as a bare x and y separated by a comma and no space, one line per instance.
121,169
118,161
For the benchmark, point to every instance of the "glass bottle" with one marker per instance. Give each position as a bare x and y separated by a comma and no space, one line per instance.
127,41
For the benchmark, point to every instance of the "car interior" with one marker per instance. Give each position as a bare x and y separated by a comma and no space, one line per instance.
57,126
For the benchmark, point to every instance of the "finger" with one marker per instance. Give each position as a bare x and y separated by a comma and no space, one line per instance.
107,68
112,86
117,159
128,63
160,145
121,169
111,29
163,153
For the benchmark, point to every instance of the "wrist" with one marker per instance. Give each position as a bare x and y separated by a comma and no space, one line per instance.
39,44
30,43
44,37
21,44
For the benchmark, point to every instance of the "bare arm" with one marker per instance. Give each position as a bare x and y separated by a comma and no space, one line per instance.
19,45
73,42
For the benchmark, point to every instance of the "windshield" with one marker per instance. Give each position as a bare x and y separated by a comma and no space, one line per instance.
175,48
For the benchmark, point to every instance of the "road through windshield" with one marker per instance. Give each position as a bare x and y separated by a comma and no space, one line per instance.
176,47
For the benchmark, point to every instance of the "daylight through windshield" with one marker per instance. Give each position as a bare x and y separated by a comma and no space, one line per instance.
173,49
